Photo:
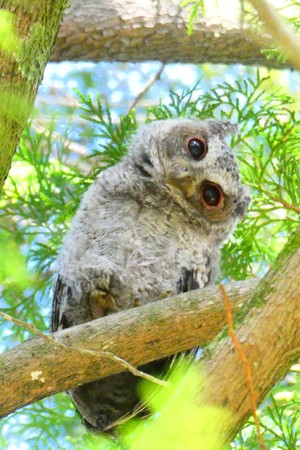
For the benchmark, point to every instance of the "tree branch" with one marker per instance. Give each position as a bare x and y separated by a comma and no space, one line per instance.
157,30
146,88
102,354
36,369
269,337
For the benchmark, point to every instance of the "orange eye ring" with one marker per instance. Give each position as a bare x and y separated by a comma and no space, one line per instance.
196,148
211,195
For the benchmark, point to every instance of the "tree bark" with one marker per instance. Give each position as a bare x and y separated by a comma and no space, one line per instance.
36,26
157,30
37,369
269,336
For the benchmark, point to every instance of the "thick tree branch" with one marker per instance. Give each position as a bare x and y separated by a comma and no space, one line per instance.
270,340
157,30
36,369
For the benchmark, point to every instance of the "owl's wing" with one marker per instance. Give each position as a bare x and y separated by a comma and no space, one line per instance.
188,281
62,294
69,309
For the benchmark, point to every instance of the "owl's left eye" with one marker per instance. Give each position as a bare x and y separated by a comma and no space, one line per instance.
196,148
211,194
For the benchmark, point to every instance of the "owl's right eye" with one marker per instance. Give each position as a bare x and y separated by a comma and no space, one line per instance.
196,148
211,195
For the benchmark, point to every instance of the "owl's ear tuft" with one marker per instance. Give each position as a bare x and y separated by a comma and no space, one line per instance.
222,127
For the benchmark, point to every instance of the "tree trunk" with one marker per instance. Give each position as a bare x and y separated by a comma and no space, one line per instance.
131,30
269,336
36,25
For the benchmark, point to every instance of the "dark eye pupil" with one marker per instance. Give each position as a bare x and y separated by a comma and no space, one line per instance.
211,195
197,148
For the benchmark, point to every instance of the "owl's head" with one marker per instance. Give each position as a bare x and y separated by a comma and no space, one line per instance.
190,159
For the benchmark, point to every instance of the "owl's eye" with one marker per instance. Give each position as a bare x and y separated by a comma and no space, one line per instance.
211,194
196,148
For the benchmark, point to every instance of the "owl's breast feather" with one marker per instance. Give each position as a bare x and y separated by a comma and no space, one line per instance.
149,245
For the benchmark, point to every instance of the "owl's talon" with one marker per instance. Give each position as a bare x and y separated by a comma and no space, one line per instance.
100,303
136,302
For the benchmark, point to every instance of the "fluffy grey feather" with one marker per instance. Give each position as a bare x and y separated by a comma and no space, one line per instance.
151,224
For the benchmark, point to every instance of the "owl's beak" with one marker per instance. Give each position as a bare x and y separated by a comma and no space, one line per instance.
181,178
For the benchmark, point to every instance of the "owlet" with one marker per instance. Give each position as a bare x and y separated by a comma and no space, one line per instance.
150,225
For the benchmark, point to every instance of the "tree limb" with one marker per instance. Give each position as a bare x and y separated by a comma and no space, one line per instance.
269,337
131,30
36,368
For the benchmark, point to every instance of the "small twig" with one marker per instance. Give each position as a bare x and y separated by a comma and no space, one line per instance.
123,363
30,327
247,366
146,88
276,199
104,354
284,203
279,30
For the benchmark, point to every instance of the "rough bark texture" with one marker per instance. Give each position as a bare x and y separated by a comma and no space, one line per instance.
157,30
270,339
36,26
36,369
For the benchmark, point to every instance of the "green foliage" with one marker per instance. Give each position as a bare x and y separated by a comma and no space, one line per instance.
38,189
43,192
13,276
193,7
113,138
280,425
177,420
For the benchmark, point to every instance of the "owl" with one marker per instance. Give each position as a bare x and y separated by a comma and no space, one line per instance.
148,227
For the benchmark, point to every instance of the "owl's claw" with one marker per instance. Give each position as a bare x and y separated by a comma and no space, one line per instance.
101,303
103,282
136,302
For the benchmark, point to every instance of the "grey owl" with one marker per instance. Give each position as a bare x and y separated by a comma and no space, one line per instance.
150,225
